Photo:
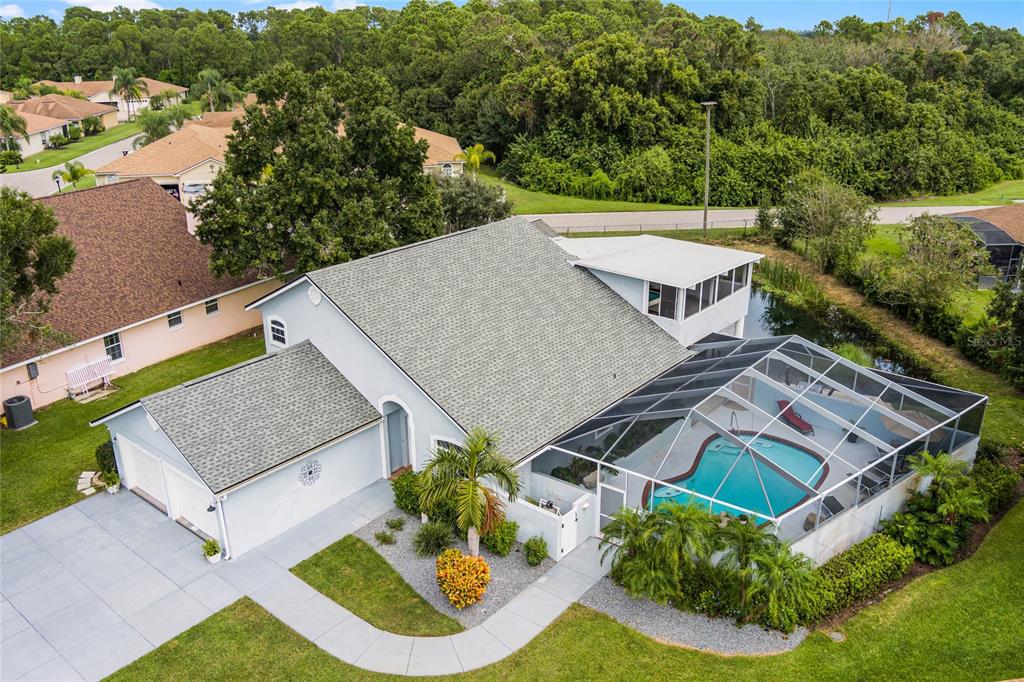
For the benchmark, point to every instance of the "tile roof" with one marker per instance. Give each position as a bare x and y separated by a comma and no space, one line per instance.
92,88
35,123
174,153
1009,219
62,107
498,328
135,260
245,420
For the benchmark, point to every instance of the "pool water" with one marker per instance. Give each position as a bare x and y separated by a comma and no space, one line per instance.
742,487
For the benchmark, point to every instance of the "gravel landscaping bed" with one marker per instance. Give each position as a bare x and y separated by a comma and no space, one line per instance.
693,630
510,575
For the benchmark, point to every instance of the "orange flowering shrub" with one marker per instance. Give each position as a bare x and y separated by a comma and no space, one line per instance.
463,579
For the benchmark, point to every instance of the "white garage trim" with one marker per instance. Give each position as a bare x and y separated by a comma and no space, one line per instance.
189,500
143,470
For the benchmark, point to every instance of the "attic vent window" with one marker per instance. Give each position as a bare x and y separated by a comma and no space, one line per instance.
314,295
278,332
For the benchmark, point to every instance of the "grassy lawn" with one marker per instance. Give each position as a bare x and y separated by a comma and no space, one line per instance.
85,183
526,201
54,157
958,623
999,193
40,465
351,573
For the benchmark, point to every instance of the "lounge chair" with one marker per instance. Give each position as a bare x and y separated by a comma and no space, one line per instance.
793,418
832,506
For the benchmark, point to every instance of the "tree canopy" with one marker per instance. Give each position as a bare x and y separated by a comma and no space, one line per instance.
296,193
602,98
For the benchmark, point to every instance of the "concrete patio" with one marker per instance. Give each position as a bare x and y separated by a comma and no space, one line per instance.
91,588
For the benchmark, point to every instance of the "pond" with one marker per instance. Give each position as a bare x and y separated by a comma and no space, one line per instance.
769,315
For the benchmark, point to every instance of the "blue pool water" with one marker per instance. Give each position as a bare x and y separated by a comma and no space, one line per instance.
742,488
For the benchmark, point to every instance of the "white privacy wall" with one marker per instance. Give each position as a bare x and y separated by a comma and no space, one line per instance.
260,510
363,364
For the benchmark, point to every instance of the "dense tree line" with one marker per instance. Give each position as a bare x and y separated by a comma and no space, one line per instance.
602,97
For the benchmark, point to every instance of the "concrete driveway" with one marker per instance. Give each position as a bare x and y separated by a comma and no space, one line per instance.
720,217
39,183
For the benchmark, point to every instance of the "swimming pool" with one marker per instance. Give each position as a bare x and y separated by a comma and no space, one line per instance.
742,488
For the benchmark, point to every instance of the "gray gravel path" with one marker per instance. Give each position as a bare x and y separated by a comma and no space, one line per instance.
692,630
509,575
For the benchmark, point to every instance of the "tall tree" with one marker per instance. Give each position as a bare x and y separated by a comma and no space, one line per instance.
296,193
33,259
128,86
12,126
467,203
474,156
214,92
155,123
457,475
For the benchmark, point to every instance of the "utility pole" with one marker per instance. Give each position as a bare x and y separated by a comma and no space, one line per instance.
707,160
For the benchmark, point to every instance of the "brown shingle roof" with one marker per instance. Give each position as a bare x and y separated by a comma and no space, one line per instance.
62,106
441,147
90,88
135,260
35,123
1009,219
173,154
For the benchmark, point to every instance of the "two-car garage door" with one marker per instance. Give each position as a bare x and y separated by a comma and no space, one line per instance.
180,495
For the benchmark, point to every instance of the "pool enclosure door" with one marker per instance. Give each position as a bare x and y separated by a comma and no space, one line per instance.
397,429
609,500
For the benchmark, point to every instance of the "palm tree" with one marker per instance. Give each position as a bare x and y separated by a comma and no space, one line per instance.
12,126
687,535
456,474
217,92
943,469
742,540
785,581
129,87
72,173
24,88
474,156
177,114
637,564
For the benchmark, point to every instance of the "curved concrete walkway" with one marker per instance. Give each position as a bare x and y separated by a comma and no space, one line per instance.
351,639
39,182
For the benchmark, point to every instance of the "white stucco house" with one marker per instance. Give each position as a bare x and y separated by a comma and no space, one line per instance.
583,361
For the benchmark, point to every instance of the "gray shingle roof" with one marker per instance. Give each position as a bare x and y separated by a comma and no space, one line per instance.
244,420
497,327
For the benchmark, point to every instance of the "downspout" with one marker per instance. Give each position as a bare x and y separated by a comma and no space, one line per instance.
223,524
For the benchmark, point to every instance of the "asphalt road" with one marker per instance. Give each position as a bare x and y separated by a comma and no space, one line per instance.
39,183
720,217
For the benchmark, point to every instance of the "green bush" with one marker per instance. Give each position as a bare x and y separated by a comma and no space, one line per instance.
502,538
536,549
384,537
57,141
995,482
406,492
432,538
444,512
397,523
74,133
863,570
105,461
211,548
10,157
934,541
92,125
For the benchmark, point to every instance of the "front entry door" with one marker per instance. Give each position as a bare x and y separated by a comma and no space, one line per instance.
398,439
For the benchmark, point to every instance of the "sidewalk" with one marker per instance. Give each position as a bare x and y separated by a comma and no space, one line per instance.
39,183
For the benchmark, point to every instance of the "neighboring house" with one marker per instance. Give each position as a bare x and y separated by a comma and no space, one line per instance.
183,163
39,129
140,291
68,109
373,363
1001,230
441,153
103,93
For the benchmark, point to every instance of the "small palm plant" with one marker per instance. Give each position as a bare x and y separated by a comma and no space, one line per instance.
687,535
784,582
638,565
72,173
742,541
456,475
474,156
954,493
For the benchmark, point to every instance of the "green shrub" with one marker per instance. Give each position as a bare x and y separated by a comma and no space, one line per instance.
92,125
995,482
406,492
10,157
74,133
384,537
211,548
934,541
536,549
445,512
397,523
863,570
502,538
432,538
57,141
105,461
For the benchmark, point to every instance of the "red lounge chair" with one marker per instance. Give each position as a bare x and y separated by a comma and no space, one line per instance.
793,418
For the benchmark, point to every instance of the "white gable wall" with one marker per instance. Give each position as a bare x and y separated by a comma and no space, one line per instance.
361,362
135,425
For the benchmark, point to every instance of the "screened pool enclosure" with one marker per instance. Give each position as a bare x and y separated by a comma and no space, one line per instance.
777,429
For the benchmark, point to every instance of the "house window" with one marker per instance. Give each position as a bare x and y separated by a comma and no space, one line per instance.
446,169
112,346
174,320
661,299
278,335
212,306
444,444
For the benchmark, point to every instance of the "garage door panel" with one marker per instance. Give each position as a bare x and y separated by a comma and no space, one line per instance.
190,500
142,470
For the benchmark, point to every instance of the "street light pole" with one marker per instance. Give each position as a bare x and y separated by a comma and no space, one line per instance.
707,160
